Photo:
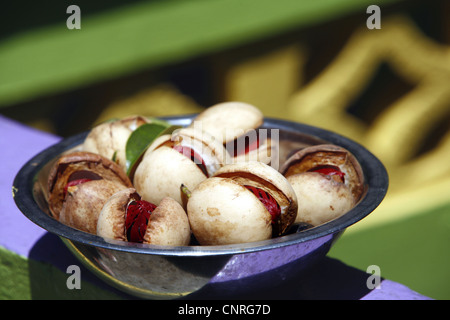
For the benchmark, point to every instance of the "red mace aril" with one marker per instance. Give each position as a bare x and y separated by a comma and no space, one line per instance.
99,177
79,177
243,145
128,217
268,201
333,171
187,156
238,126
194,156
339,184
252,146
332,161
137,216
75,183
241,202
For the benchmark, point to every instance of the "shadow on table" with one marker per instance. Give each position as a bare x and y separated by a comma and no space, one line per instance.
329,279
48,262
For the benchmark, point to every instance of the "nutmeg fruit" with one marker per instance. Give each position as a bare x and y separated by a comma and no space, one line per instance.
320,198
83,203
237,125
79,183
188,157
324,157
226,121
328,182
109,139
242,202
127,217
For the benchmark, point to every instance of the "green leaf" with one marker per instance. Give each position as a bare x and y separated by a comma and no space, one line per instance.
141,138
158,121
114,156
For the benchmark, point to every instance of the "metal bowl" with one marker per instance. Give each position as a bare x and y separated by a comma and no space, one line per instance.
162,272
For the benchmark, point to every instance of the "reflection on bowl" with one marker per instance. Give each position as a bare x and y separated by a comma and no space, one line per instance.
162,272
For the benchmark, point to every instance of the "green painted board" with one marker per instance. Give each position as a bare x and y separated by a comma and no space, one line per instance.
23,278
147,34
413,251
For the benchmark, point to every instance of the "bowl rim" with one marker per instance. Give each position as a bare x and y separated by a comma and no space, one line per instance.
376,178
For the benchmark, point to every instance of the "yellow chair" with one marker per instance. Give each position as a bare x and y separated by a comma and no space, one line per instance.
417,180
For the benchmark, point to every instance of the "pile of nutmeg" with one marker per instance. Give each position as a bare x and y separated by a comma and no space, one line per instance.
192,184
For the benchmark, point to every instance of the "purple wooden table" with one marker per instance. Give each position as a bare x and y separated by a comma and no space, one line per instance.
39,260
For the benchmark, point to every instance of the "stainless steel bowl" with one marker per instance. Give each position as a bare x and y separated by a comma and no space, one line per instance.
161,272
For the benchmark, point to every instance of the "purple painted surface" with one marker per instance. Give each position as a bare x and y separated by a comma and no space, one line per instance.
19,143
256,262
390,290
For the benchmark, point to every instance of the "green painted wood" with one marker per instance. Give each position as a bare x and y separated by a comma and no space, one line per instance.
22,278
142,35
413,251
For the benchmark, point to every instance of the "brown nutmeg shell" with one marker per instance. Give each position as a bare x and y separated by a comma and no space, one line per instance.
168,223
83,204
163,169
222,209
320,198
78,165
227,121
266,178
111,221
109,139
327,154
